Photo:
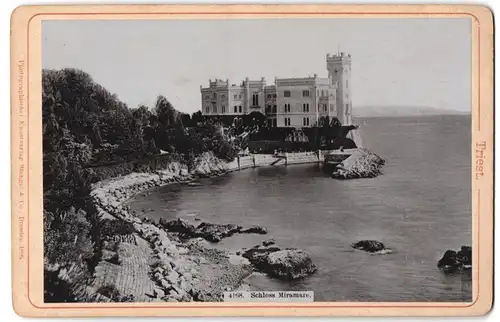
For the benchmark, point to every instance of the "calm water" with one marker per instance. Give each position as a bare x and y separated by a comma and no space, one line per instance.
419,207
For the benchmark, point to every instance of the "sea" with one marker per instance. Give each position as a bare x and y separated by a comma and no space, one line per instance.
419,207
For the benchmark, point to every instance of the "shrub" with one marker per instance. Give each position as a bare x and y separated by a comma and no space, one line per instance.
110,228
67,237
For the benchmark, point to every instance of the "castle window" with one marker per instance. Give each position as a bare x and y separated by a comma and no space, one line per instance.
207,109
274,108
286,93
287,121
215,108
269,96
305,93
223,109
325,107
287,108
275,123
240,109
235,109
305,107
255,99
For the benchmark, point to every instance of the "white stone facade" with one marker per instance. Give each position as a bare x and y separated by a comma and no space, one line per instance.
289,102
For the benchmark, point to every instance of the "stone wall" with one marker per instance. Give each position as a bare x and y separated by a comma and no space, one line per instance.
302,157
263,160
246,162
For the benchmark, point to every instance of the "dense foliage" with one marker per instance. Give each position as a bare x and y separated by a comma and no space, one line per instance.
90,135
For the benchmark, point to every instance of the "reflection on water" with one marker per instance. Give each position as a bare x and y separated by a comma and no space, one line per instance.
420,207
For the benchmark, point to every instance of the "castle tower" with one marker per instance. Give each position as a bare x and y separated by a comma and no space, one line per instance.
339,71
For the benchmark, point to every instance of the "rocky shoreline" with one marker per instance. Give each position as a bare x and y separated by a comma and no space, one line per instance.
183,264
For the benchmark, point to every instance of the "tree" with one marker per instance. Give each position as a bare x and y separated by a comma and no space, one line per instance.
196,118
167,115
254,119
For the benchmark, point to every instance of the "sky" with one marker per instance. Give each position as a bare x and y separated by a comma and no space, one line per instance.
402,63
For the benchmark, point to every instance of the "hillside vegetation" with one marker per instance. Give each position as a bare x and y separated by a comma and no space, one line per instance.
90,135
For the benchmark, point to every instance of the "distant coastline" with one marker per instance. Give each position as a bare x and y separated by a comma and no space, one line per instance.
403,111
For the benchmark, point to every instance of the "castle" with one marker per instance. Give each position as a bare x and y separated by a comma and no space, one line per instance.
289,102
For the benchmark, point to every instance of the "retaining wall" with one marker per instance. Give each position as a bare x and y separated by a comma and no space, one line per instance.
262,160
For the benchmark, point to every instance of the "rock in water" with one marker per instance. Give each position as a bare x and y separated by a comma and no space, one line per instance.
268,242
178,226
211,232
287,264
371,246
361,164
216,232
453,261
254,230
465,255
258,255
449,261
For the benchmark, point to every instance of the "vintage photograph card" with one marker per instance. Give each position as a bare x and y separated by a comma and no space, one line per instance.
252,160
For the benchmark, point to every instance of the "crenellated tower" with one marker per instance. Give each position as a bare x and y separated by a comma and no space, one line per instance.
339,71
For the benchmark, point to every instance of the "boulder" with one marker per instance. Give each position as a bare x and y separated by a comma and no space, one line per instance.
268,242
200,295
287,264
216,232
173,277
178,226
371,246
258,255
464,255
254,230
158,293
453,261
361,164
449,260
165,284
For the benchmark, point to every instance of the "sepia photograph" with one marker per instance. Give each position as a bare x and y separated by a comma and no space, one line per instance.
288,160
